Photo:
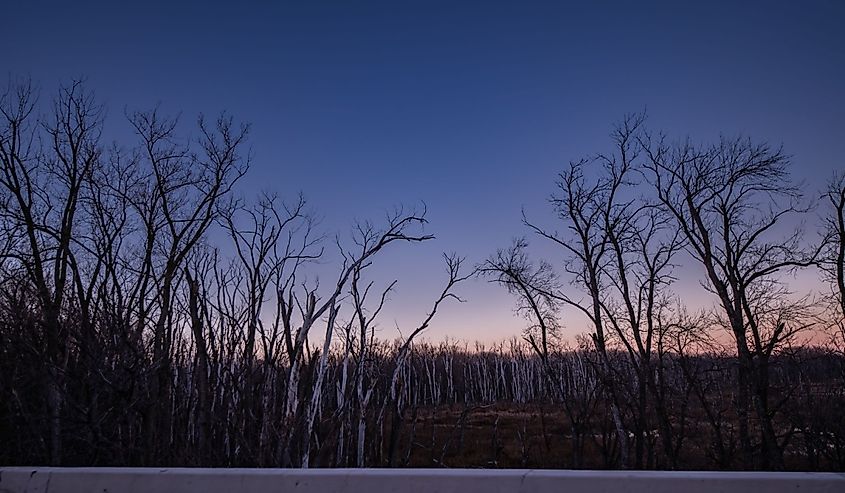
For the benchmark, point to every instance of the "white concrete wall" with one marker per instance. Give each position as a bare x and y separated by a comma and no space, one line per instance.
138,480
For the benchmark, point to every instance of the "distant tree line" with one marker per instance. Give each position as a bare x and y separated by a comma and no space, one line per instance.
624,220
148,316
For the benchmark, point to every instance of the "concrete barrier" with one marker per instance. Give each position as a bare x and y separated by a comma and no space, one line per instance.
137,480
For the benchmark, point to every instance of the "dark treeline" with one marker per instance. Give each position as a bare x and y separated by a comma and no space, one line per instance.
129,337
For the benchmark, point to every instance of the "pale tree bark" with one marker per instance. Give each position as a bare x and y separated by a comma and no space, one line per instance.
272,240
454,264
177,197
368,242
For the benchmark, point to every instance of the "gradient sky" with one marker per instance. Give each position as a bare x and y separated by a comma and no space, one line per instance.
472,107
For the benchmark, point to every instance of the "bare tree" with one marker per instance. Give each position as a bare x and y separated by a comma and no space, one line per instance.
44,174
394,402
368,242
149,317
271,239
833,262
730,200
619,254
176,197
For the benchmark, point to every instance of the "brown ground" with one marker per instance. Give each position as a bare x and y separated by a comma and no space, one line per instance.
533,437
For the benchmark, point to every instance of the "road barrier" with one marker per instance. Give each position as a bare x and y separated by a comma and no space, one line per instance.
186,480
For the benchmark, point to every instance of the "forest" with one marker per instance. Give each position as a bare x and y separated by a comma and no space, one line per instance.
151,316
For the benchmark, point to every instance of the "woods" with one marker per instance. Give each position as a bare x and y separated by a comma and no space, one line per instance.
150,316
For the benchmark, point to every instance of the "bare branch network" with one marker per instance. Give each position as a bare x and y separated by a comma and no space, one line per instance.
150,317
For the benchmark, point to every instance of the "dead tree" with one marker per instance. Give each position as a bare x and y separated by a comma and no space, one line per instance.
637,275
538,292
833,262
615,257
44,165
272,239
368,241
394,401
176,195
729,200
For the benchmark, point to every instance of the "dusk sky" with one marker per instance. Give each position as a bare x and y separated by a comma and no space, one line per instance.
470,107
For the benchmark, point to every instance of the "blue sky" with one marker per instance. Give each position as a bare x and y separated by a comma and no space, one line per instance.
472,107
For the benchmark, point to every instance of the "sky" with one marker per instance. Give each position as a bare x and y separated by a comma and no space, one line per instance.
469,107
